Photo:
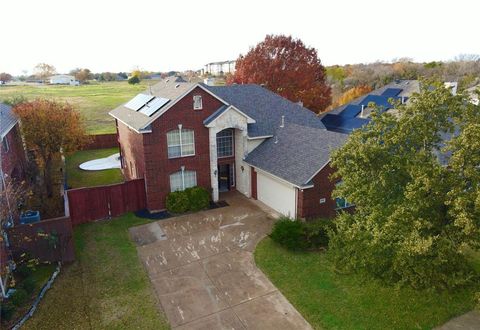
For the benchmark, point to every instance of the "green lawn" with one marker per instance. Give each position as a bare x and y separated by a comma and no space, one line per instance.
332,301
105,288
94,101
77,177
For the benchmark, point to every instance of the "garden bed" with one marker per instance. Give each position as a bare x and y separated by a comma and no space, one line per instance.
28,284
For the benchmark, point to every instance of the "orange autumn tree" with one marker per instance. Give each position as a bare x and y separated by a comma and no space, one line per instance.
287,67
351,95
50,128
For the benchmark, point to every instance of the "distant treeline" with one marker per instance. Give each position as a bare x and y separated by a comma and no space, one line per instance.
465,69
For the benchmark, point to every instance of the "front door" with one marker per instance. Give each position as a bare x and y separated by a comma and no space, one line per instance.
223,177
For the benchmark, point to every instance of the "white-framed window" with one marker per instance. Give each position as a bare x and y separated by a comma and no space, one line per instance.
5,145
225,143
197,102
182,180
181,143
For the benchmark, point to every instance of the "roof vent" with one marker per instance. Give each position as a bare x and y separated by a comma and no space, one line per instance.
363,108
177,85
276,139
300,103
283,122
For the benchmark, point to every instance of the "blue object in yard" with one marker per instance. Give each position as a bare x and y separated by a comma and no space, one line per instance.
29,217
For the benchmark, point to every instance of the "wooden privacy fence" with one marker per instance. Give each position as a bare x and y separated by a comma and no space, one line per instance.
102,141
90,204
48,240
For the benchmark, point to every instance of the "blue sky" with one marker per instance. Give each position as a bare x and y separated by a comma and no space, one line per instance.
119,35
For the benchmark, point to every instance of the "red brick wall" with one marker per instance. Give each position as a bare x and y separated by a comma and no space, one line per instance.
253,175
132,152
13,161
157,166
101,141
309,199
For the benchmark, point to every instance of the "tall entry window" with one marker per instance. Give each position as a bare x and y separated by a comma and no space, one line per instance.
225,143
181,143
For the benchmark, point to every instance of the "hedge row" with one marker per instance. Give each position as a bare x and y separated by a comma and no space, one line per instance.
190,199
298,235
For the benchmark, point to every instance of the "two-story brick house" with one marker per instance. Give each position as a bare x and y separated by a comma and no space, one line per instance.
12,153
12,166
239,137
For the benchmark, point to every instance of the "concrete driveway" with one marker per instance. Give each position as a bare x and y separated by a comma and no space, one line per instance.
202,269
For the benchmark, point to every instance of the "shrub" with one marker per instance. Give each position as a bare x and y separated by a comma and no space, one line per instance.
298,235
177,202
289,233
317,232
19,297
24,270
191,199
134,80
198,198
7,309
29,284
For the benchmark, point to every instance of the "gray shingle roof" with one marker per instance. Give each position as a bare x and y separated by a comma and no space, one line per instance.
265,107
171,88
296,153
7,119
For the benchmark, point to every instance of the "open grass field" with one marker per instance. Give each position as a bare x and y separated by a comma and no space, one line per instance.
105,288
332,301
77,178
94,100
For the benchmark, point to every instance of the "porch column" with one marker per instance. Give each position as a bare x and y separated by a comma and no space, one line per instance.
212,131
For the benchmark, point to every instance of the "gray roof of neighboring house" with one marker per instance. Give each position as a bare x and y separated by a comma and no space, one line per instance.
408,88
171,88
7,119
297,152
266,107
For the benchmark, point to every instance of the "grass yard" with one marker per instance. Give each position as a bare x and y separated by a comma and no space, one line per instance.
94,101
332,301
105,288
77,177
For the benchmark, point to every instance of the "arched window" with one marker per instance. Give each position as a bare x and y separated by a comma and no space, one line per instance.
182,180
181,143
225,143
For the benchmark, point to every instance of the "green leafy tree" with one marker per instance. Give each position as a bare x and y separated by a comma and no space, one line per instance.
133,80
414,178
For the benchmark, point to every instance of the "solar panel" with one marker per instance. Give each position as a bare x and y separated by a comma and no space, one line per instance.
379,100
392,92
343,124
351,111
153,106
138,101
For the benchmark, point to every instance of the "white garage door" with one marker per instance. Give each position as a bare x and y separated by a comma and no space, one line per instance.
278,195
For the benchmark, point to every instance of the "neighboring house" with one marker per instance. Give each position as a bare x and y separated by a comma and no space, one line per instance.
12,154
474,97
219,68
356,113
239,137
12,166
63,79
